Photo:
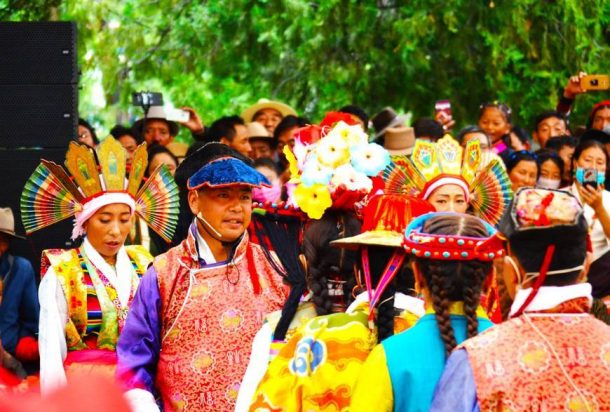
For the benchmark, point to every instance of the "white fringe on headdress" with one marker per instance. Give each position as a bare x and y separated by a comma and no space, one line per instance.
96,204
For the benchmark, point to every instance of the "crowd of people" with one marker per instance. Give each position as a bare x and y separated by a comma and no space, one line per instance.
277,264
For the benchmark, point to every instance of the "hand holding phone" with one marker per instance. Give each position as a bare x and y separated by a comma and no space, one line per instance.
595,82
178,115
589,178
443,114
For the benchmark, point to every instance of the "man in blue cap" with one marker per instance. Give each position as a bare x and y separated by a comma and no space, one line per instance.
187,339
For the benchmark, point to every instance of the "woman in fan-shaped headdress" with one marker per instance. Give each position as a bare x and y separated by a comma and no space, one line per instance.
452,179
86,292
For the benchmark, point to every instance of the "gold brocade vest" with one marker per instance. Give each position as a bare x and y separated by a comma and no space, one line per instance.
70,267
516,366
209,316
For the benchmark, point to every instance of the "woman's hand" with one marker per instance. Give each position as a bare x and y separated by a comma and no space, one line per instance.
591,196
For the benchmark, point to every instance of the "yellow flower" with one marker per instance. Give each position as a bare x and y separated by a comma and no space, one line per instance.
313,200
293,165
332,151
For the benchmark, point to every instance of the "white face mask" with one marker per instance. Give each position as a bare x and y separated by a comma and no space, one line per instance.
546,183
606,129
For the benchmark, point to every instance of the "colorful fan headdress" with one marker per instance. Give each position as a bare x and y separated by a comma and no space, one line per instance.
335,170
433,165
51,195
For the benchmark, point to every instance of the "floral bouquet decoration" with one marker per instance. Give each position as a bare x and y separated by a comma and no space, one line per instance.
333,165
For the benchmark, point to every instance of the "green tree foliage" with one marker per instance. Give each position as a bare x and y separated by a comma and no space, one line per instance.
219,56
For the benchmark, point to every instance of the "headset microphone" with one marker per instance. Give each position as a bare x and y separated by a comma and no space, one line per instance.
206,223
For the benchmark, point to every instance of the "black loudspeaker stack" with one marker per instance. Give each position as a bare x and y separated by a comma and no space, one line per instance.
38,115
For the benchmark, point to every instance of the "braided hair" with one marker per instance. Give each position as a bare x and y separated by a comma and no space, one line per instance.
379,256
449,281
324,261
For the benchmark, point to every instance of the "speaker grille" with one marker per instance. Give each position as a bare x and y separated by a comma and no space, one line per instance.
38,53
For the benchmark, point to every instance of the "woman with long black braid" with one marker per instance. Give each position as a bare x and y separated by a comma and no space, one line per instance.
317,367
453,257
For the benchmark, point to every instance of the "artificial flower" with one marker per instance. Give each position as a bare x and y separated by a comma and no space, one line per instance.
313,200
332,151
302,151
315,172
293,165
351,135
370,158
349,178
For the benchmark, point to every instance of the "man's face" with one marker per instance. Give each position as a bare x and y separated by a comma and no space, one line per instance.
549,127
157,131
130,145
240,142
601,118
260,149
269,118
228,210
286,138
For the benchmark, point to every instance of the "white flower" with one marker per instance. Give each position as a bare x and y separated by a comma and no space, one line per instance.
351,179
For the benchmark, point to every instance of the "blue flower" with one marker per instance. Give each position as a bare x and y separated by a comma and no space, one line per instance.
369,158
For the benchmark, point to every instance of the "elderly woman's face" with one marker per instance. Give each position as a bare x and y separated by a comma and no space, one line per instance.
108,228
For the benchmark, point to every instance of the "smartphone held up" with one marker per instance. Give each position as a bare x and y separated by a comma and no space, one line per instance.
594,82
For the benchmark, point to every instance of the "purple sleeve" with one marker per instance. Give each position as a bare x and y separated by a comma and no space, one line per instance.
456,391
140,341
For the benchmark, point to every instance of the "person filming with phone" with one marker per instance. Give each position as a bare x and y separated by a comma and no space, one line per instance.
589,165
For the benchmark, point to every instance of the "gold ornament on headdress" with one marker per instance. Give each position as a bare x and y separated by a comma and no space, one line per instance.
490,187
50,195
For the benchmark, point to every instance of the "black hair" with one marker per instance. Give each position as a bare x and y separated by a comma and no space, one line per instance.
404,282
156,149
426,127
287,123
472,129
119,131
522,155
558,142
521,133
325,262
570,251
223,127
502,107
268,163
547,114
587,144
358,112
84,123
545,155
457,280
281,233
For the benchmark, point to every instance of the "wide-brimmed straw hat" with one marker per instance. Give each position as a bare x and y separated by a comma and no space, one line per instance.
156,113
283,108
7,222
385,220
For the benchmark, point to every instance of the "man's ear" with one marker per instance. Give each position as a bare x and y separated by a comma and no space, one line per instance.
193,199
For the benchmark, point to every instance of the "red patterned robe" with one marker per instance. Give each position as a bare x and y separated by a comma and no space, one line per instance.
207,317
